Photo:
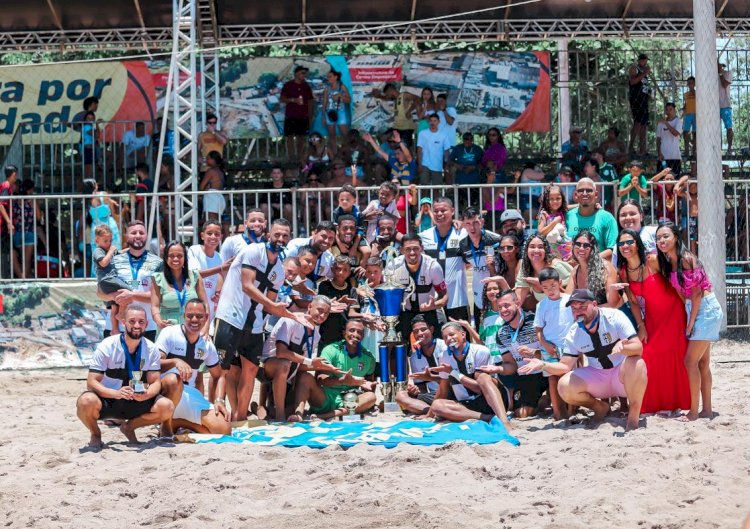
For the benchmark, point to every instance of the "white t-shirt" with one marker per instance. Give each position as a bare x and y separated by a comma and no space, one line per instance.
613,327
198,260
451,261
109,359
132,143
233,245
173,343
725,101
372,226
433,145
297,338
325,260
670,145
554,318
419,362
428,280
448,130
234,306
477,356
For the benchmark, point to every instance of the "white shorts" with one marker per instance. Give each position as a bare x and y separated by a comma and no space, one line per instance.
214,202
192,403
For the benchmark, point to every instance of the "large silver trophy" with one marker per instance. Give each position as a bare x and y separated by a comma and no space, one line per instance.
390,298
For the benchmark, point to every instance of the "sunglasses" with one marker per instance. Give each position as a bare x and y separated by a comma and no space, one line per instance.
585,191
620,244
506,248
584,245
212,122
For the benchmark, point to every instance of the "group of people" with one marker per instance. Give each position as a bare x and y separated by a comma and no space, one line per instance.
625,311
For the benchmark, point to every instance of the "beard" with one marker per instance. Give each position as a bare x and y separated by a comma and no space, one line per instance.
137,244
135,334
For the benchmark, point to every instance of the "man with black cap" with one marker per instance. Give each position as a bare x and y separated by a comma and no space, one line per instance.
639,93
298,98
615,366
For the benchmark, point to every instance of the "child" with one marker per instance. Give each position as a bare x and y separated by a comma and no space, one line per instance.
689,210
106,275
551,220
339,289
688,117
291,273
386,203
347,204
424,220
304,289
552,321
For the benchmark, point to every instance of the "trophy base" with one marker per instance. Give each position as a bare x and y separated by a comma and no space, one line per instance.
351,418
391,407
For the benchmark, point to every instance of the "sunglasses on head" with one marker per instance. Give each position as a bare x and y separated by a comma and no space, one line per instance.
584,245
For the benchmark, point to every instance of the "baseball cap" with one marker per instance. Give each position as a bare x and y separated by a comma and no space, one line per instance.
642,57
510,214
566,170
426,200
301,68
580,294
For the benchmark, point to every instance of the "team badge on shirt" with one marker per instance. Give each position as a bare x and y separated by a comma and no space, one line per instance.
200,354
360,366
272,276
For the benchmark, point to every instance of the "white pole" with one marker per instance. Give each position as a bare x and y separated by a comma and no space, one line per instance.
563,93
711,236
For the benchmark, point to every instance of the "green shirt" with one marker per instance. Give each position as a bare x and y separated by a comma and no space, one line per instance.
609,174
602,224
491,323
633,193
337,355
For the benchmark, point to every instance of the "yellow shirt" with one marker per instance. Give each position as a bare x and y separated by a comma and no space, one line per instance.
689,102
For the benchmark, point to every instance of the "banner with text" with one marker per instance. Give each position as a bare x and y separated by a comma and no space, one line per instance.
46,98
507,90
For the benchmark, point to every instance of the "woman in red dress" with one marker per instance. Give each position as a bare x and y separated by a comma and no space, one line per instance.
663,334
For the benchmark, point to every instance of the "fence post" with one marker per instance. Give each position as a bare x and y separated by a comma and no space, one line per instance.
563,94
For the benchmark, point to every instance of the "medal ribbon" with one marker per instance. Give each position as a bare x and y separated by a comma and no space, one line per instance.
132,361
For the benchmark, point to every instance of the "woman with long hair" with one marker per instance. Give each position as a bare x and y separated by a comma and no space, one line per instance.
630,216
213,182
172,288
336,101
661,325
593,272
535,256
704,314
495,153
426,106
206,259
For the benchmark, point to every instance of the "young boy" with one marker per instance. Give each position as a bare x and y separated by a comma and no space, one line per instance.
347,204
688,117
552,321
341,288
365,307
106,275
304,288
386,203
424,219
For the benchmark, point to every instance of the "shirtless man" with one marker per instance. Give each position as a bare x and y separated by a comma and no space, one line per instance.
420,392
120,364
183,349
613,350
475,394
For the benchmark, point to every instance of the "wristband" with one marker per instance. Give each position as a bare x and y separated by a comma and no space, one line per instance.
307,362
457,374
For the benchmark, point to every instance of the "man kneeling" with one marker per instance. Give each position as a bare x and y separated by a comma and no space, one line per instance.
183,350
466,393
613,349
123,383
420,393
326,393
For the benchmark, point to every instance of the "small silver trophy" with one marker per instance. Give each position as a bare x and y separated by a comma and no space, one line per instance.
350,403
136,383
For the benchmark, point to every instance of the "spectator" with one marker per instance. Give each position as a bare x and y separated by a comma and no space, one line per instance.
319,154
725,104
89,145
575,149
26,214
664,196
135,144
102,210
535,256
614,149
592,272
213,183
336,101
426,107
493,202
688,117
90,104
432,145
448,116
591,170
630,217
529,196
211,140
587,216
7,188
466,160
608,174
634,185
639,93
354,153
280,197
495,153
405,104
668,133
424,220
406,200
401,164
512,223
298,98
565,176
145,186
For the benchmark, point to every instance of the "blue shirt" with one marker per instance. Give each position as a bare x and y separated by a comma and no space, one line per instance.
464,157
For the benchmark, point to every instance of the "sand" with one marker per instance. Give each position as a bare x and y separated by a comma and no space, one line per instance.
668,475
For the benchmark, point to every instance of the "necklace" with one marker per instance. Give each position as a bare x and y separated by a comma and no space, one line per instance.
636,268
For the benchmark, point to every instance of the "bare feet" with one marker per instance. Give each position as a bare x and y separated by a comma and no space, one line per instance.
128,432
96,441
601,409
633,424
707,414
690,417
294,417
165,430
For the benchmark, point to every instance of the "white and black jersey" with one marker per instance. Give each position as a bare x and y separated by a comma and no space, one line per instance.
428,280
419,362
296,337
198,260
476,257
234,244
613,326
109,360
476,356
137,272
509,339
235,307
322,266
447,252
174,344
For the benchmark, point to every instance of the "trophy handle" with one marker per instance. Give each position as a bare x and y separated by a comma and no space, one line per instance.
408,292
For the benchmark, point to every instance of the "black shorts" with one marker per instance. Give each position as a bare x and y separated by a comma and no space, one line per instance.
296,126
405,318
639,109
123,409
457,313
529,388
478,404
428,398
232,342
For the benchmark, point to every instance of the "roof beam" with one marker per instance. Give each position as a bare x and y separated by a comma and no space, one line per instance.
721,9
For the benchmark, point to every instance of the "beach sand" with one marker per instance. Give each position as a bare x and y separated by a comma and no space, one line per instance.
668,475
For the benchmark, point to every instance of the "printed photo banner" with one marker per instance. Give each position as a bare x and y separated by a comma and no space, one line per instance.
507,90
47,97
